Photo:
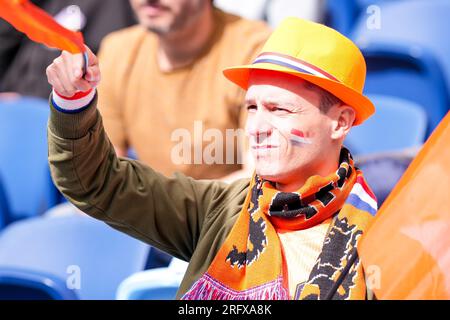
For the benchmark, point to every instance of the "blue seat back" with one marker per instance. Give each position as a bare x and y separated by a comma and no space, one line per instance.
397,124
156,293
424,23
86,252
23,157
398,70
383,171
4,208
341,15
22,284
155,284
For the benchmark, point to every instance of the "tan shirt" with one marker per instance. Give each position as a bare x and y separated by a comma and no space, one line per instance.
301,249
154,111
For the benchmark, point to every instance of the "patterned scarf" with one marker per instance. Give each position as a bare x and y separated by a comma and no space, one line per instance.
251,264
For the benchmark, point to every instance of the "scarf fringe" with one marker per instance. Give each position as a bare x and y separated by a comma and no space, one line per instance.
207,288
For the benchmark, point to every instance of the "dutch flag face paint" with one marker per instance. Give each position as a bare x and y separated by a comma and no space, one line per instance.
298,137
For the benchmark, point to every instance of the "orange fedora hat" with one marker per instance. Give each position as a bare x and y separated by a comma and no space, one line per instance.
317,54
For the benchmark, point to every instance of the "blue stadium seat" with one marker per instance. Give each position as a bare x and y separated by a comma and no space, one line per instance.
407,72
88,254
19,284
422,22
364,4
421,30
397,124
383,171
155,284
4,209
158,259
23,157
341,15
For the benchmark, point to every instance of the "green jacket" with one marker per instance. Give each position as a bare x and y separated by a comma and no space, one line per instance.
190,219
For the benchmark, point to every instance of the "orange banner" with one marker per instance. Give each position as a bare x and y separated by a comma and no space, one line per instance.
39,26
406,252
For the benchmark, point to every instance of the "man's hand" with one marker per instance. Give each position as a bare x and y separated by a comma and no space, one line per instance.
65,74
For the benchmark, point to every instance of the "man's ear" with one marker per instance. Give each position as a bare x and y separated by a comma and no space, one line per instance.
343,118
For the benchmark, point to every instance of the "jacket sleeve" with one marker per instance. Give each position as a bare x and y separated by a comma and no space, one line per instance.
167,213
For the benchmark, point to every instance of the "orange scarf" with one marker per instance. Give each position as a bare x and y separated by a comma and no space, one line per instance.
251,265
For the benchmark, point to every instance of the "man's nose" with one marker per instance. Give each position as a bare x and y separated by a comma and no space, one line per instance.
258,126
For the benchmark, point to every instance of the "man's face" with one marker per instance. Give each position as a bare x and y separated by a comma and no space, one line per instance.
288,134
164,16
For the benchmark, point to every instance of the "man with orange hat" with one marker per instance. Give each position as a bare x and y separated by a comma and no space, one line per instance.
289,232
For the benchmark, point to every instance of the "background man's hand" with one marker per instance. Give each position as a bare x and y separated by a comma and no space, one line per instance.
65,74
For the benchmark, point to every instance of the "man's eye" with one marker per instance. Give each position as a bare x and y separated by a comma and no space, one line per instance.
251,107
281,110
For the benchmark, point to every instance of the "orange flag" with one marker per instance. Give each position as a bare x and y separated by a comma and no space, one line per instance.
406,252
39,26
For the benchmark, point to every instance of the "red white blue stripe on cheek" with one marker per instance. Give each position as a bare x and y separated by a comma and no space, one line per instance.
298,137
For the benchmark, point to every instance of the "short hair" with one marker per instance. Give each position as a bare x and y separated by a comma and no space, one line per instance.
327,99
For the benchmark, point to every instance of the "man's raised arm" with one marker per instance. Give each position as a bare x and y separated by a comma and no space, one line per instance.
165,212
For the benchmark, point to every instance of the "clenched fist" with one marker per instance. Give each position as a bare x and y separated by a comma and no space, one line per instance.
65,74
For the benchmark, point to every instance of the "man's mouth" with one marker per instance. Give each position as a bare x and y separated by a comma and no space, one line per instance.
152,9
264,147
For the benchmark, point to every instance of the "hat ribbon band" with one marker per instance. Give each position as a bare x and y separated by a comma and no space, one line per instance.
294,64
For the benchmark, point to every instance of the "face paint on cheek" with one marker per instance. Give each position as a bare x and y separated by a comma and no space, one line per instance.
300,138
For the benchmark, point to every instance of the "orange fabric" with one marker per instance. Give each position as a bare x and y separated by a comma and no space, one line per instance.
241,278
39,26
311,187
408,246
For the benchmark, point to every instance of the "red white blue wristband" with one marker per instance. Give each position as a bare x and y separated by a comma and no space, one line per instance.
74,104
